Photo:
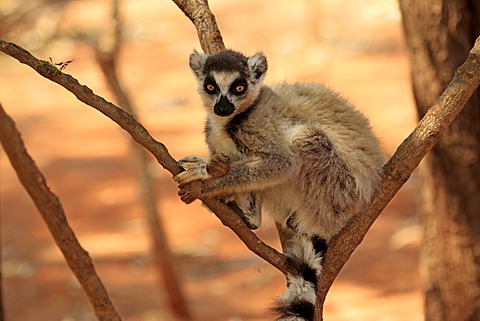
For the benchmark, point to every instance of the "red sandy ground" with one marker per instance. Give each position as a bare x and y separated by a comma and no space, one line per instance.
355,47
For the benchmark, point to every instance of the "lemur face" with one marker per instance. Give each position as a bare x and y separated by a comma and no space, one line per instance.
228,90
229,82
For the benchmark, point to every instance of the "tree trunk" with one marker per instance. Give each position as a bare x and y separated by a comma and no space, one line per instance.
2,315
439,34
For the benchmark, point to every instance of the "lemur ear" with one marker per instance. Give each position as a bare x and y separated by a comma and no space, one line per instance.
258,66
197,62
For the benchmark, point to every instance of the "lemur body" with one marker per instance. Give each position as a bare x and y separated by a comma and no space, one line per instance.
298,152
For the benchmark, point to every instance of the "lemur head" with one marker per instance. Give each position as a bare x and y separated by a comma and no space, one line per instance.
228,82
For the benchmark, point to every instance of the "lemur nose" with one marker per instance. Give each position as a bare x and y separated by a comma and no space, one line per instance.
223,107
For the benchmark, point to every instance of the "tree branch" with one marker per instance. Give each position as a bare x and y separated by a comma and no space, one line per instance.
86,95
204,21
52,212
226,215
399,168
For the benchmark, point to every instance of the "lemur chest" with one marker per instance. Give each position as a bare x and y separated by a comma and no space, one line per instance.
219,141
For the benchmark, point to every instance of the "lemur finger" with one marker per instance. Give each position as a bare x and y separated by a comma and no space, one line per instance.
182,177
220,158
192,161
191,191
187,198
192,158
183,184
217,169
191,175
189,186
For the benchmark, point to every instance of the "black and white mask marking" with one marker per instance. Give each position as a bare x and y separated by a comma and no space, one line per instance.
227,89
229,82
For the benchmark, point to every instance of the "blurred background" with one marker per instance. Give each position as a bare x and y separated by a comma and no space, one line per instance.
354,47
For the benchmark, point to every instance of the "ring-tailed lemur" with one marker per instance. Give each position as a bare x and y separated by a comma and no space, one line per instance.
298,152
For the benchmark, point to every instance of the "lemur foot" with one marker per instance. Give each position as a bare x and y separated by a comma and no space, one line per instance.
195,169
252,222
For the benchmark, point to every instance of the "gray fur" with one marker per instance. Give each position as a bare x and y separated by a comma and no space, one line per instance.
295,148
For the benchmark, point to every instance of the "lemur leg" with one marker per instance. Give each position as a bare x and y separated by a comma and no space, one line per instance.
247,207
244,204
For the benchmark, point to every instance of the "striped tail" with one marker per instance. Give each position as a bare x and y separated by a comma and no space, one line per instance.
298,302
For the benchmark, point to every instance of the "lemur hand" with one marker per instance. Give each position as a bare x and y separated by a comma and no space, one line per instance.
190,191
190,181
218,165
195,169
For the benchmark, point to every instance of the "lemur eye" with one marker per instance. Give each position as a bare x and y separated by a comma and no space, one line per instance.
210,87
239,88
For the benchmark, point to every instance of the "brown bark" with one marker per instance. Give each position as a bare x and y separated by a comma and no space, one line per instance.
2,314
52,212
439,34
205,24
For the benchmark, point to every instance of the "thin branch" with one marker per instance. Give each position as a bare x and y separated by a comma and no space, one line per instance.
204,21
52,212
226,215
86,95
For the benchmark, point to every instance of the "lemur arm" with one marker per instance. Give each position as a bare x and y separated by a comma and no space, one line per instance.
250,174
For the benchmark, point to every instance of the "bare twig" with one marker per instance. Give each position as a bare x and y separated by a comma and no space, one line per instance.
226,215
52,212
204,21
